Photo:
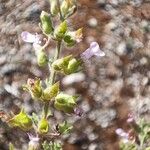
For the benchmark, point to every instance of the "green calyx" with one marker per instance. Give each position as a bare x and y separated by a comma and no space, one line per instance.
50,92
22,120
34,87
42,58
60,31
43,126
66,65
53,7
46,23
68,8
65,102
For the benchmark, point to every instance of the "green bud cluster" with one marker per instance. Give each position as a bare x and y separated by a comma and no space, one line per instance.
66,65
34,87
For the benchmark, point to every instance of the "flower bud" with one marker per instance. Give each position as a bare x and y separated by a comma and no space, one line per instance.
73,66
67,8
73,37
22,120
46,22
42,58
60,31
43,126
34,87
61,64
54,7
65,103
51,92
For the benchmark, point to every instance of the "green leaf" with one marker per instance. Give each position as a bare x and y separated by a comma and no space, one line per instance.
65,128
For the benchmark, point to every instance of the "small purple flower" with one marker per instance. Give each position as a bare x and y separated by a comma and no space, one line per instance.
78,111
93,50
130,118
124,135
31,38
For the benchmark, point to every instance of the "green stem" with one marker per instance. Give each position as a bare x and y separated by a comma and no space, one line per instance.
52,76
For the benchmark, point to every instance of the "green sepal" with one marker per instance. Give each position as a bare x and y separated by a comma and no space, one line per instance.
53,7
46,23
61,64
69,40
73,66
34,87
42,58
65,102
50,92
73,37
60,31
21,120
64,128
43,126
67,7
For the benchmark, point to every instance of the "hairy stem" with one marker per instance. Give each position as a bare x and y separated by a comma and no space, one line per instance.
52,76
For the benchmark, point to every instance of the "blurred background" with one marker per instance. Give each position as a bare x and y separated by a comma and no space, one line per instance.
109,87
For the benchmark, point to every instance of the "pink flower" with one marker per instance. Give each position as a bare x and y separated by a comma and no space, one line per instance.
124,135
93,50
31,38
130,118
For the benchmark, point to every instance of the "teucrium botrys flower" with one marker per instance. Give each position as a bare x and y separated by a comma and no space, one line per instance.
93,50
30,38
42,58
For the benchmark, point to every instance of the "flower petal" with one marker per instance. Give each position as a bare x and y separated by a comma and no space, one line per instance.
28,37
93,50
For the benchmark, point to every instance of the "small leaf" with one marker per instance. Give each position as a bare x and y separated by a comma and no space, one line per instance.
64,128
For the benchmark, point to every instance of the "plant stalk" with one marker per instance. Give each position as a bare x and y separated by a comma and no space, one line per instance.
52,76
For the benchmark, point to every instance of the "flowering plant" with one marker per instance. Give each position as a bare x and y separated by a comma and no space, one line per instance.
39,128
137,137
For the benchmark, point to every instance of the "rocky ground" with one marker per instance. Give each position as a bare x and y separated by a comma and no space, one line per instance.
110,87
